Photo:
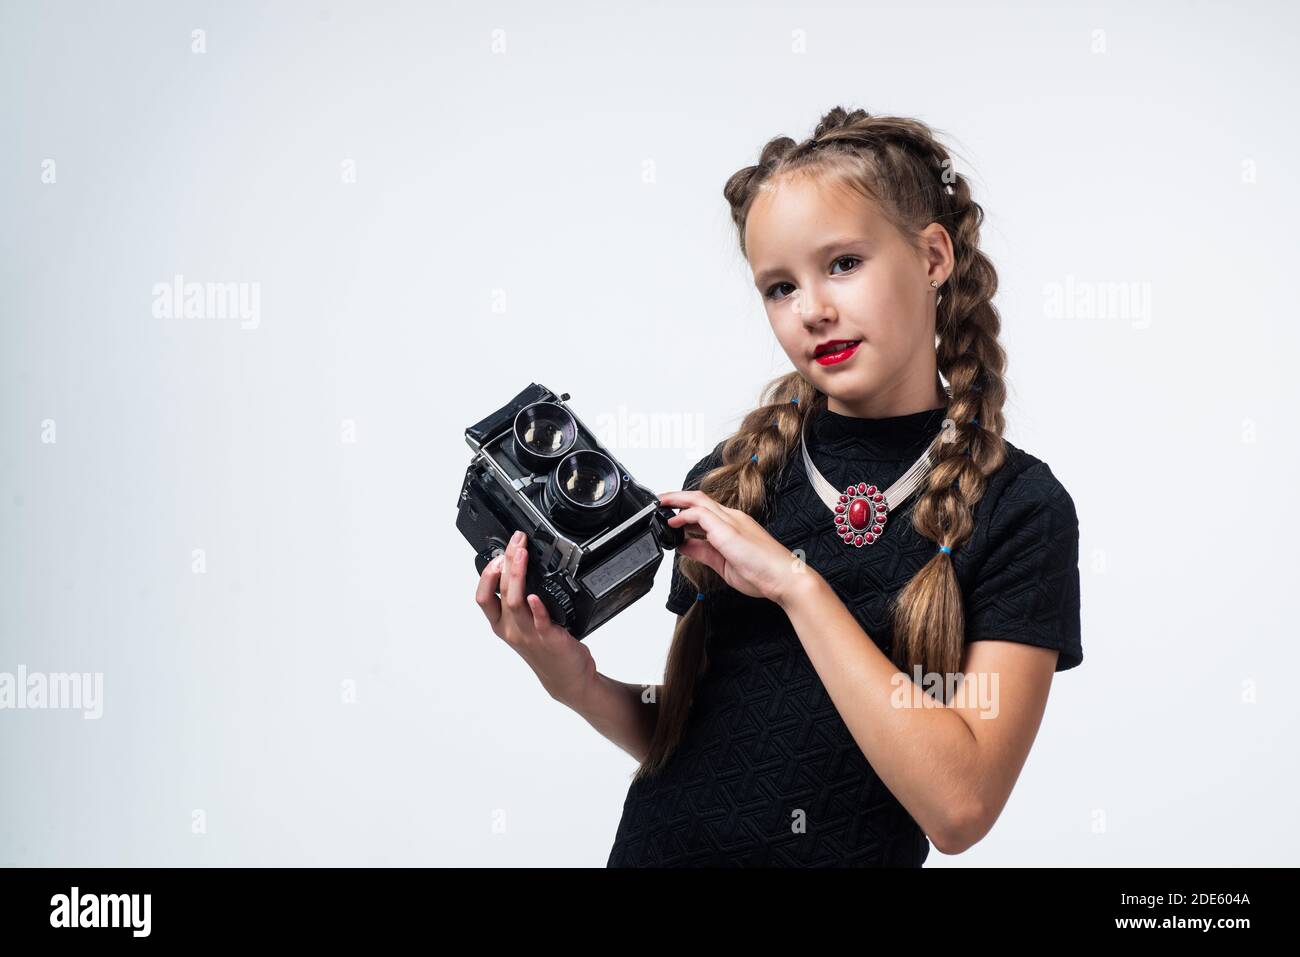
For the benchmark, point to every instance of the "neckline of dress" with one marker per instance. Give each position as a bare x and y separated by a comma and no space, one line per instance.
888,436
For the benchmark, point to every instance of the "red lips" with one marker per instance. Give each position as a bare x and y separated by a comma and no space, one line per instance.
829,353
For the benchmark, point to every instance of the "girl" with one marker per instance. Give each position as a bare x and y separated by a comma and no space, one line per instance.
876,588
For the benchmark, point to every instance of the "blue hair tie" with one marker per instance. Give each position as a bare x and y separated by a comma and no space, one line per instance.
753,458
976,420
699,596
945,549
795,400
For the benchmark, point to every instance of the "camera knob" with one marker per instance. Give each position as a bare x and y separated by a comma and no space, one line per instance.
558,602
666,535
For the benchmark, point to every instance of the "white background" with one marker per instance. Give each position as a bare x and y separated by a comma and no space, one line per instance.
574,174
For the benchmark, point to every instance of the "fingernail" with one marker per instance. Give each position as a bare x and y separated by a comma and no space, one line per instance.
514,539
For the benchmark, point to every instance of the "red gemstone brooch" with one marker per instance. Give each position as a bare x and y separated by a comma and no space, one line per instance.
860,514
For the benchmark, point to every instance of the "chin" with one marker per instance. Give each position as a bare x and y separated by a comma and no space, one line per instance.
842,387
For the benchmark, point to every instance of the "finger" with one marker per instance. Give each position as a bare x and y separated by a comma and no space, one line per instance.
518,564
703,513
506,564
680,496
486,593
715,526
699,500
541,617
700,550
683,522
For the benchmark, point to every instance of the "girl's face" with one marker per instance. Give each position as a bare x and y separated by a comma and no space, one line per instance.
830,266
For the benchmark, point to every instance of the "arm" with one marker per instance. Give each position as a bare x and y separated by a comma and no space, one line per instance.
620,712
951,767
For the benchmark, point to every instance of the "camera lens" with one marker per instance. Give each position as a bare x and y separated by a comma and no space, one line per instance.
581,491
544,433
587,479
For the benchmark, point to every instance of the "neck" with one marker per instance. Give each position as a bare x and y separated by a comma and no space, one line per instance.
886,403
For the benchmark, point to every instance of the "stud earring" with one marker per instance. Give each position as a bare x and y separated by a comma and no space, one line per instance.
934,284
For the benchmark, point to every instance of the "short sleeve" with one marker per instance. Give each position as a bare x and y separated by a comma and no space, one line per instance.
1027,589
681,593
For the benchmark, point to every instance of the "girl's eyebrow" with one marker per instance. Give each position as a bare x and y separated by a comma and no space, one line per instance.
761,278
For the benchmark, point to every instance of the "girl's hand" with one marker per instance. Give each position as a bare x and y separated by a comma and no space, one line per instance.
562,663
734,545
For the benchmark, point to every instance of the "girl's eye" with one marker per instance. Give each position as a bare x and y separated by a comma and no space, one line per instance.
771,292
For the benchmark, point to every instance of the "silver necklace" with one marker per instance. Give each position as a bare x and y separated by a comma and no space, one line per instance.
861,510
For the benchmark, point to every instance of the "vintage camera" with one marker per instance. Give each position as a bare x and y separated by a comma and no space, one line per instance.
595,536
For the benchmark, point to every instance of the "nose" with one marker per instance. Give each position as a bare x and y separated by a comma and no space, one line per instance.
812,307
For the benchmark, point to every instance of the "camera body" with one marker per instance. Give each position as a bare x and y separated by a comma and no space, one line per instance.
595,536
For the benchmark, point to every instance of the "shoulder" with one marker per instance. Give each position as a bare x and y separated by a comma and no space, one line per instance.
1025,505
1025,483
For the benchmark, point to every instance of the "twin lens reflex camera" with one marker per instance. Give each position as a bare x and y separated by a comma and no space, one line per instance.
595,536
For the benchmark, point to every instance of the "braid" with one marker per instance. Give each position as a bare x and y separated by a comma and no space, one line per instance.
928,619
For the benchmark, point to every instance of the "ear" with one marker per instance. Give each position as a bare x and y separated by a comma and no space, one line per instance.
936,249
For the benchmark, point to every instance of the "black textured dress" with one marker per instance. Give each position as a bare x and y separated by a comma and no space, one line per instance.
764,746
